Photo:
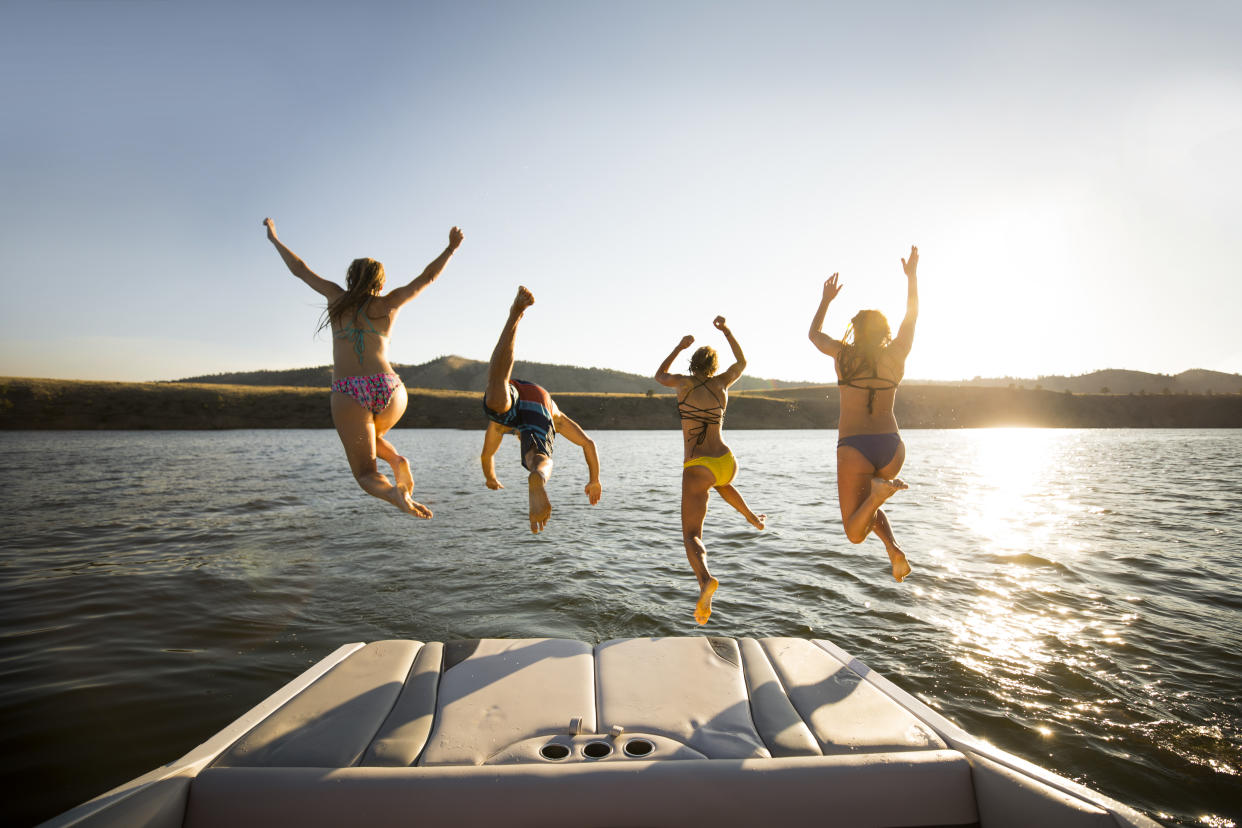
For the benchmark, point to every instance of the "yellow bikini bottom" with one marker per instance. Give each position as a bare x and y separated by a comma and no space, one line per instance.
724,467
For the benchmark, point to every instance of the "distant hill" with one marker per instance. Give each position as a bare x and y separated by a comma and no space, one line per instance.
1116,381
454,373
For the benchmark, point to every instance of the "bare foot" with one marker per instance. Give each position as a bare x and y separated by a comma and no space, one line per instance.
522,301
884,489
409,505
901,567
756,521
540,506
404,477
703,608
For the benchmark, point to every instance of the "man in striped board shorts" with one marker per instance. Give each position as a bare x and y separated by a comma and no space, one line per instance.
524,408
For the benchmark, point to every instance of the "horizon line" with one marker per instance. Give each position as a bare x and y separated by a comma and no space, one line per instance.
802,383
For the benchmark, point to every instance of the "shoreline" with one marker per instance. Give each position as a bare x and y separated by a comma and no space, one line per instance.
43,404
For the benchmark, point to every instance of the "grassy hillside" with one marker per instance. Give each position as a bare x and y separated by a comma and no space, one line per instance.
75,404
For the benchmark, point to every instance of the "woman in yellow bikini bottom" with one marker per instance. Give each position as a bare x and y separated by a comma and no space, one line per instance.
723,467
702,396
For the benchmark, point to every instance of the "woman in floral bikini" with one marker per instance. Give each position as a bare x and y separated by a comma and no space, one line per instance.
367,395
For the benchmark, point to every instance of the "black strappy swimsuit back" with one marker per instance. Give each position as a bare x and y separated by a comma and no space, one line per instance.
713,415
862,374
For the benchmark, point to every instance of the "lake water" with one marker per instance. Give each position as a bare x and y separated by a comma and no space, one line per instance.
1074,597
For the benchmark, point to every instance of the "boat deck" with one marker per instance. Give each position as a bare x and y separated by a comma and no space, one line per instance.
653,732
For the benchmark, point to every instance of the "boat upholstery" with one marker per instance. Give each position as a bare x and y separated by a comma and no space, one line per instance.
643,732
775,717
900,789
495,692
690,690
845,714
401,703
332,723
405,732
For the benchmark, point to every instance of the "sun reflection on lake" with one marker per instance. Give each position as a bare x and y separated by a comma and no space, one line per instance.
1008,506
1011,510
1007,637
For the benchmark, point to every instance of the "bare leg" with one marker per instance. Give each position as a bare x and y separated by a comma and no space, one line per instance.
696,482
881,529
501,367
862,493
401,471
734,498
356,428
859,524
540,506
385,450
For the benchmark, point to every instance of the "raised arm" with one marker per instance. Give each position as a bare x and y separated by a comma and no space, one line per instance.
823,341
905,334
399,296
662,375
573,432
491,442
734,372
298,267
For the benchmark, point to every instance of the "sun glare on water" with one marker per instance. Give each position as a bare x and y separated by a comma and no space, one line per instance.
1014,513
1009,508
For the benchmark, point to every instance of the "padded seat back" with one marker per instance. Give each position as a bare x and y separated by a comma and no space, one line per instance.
922,788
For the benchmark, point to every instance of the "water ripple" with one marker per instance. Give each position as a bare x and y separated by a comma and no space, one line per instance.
1071,599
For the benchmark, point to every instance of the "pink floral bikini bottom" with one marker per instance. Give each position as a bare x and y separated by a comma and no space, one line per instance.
372,393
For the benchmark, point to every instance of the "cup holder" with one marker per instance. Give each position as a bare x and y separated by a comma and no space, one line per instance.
554,752
639,747
596,750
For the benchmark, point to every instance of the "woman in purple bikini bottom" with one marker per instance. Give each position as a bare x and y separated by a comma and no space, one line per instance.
870,365
368,397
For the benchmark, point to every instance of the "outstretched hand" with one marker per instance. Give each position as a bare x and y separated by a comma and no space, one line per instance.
832,287
271,229
686,342
455,237
911,264
593,491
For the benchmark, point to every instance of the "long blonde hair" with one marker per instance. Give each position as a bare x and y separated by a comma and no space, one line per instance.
364,279
865,339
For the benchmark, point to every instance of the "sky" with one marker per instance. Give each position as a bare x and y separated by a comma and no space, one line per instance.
1069,170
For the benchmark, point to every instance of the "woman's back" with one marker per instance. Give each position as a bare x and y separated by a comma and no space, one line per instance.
360,340
870,368
868,390
703,394
701,404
